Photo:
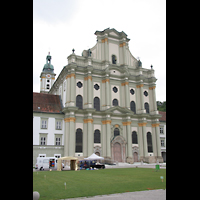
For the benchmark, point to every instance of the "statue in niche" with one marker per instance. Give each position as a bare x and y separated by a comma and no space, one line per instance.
114,59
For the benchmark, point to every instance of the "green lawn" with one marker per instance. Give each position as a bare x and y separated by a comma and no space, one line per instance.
96,182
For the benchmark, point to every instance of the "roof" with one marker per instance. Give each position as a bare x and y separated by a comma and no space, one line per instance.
47,103
109,31
163,118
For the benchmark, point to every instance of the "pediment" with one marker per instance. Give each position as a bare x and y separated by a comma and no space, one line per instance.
119,111
113,34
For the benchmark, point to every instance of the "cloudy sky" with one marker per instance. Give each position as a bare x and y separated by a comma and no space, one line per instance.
61,25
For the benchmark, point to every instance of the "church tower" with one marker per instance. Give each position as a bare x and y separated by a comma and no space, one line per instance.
47,76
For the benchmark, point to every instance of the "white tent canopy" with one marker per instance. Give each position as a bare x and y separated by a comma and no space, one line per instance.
94,157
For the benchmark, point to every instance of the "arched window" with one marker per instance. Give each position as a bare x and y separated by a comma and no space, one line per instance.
132,105
146,106
149,142
97,103
134,138
116,132
115,102
79,140
97,137
79,101
114,59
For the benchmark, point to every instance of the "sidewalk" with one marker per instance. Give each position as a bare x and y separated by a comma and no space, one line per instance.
140,195
136,164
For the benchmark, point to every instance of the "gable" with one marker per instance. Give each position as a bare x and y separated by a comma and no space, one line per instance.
113,34
119,110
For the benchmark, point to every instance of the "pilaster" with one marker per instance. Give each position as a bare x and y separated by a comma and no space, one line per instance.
88,79
90,134
108,93
107,122
157,136
153,92
66,138
127,94
143,148
141,99
129,157
71,134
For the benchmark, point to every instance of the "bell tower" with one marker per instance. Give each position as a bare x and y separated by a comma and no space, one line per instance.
47,76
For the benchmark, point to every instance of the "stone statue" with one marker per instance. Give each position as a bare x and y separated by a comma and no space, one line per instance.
89,53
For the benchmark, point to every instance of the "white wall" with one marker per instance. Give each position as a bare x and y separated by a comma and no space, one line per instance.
51,131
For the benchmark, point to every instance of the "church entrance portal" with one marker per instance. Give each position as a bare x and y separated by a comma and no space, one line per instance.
118,149
117,152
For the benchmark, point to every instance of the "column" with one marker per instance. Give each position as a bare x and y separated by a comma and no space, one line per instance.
103,141
142,131
67,90
108,92
66,138
106,49
124,52
85,142
108,131
140,143
71,134
107,122
141,97
103,49
129,142
127,93
89,90
153,97
72,90
90,136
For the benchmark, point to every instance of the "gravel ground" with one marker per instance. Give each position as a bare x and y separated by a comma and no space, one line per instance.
140,195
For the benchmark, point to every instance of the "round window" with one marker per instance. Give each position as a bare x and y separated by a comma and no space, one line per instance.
115,89
145,93
96,86
79,84
132,91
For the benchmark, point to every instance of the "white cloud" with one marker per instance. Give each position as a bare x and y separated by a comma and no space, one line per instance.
60,26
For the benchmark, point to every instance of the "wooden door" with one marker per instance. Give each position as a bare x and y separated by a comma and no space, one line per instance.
117,152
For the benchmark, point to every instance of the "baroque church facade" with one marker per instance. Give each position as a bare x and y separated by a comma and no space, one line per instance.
102,102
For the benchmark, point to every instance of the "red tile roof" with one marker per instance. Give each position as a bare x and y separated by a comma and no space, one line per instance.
163,118
47,103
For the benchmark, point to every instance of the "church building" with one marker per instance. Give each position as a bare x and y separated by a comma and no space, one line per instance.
102,102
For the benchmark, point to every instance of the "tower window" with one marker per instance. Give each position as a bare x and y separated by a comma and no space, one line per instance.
115,102
48,80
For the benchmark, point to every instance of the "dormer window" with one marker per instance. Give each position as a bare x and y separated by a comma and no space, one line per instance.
114,59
